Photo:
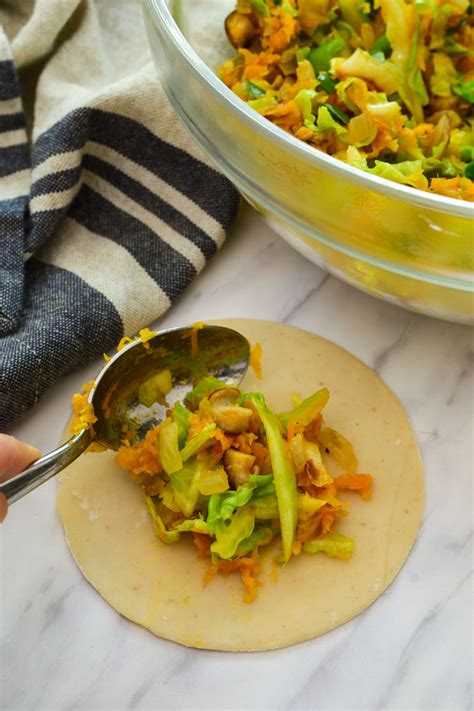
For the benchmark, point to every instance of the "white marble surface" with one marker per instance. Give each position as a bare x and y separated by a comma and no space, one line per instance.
63,647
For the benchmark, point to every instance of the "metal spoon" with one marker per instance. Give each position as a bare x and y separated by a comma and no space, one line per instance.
222,352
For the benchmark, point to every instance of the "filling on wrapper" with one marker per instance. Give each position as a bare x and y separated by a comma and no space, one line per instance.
226,470
295,485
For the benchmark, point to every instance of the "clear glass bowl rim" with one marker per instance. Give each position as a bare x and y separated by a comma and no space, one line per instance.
322,161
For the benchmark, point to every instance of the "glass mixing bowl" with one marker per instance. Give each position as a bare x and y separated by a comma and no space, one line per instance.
403,245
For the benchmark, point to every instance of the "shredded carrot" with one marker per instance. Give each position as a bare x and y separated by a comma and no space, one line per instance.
124,342
248,568
309,529
84,416
196,327
291,430
222,438
202,543
360,483
358,92
383,140
256,353
142,458
262,457
329,494
318,524
209,574
424,130
250,582
327,520
279,31
146,335
287,116
460,188
254,423
243,442
307,479
222,444
310,432
257,66
197,422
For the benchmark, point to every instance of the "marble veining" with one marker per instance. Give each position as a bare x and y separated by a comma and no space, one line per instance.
63,647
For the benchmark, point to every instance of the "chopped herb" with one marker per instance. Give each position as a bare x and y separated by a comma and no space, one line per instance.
337,114
254,90
326,82
469,170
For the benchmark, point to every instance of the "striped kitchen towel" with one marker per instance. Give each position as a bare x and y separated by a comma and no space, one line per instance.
107,208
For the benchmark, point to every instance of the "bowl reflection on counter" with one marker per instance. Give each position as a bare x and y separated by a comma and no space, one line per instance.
406,246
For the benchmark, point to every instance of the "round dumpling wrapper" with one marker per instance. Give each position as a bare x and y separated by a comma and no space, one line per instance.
159,586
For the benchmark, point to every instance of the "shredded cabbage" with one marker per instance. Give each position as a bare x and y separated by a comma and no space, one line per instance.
185,487
194,445
169,448
229,537
339,447
283,475
181,419
307,410
334,545
326,122
409,172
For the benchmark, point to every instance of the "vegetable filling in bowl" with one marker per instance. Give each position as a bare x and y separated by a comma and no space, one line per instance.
384,85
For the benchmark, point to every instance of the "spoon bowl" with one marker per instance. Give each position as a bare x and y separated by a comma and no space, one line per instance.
188,353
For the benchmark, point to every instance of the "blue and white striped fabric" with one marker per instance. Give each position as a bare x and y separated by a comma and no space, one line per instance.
104,220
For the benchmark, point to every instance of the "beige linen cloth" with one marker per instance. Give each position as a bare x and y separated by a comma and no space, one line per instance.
107,208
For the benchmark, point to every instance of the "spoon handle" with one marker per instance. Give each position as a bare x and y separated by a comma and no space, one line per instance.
46,467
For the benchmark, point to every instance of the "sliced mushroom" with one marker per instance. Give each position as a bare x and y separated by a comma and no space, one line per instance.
240,29
238,466
225,395
229,416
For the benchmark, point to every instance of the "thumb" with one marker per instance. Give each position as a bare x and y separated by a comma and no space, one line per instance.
15,456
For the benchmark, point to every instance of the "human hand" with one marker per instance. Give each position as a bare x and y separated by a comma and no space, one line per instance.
14,457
